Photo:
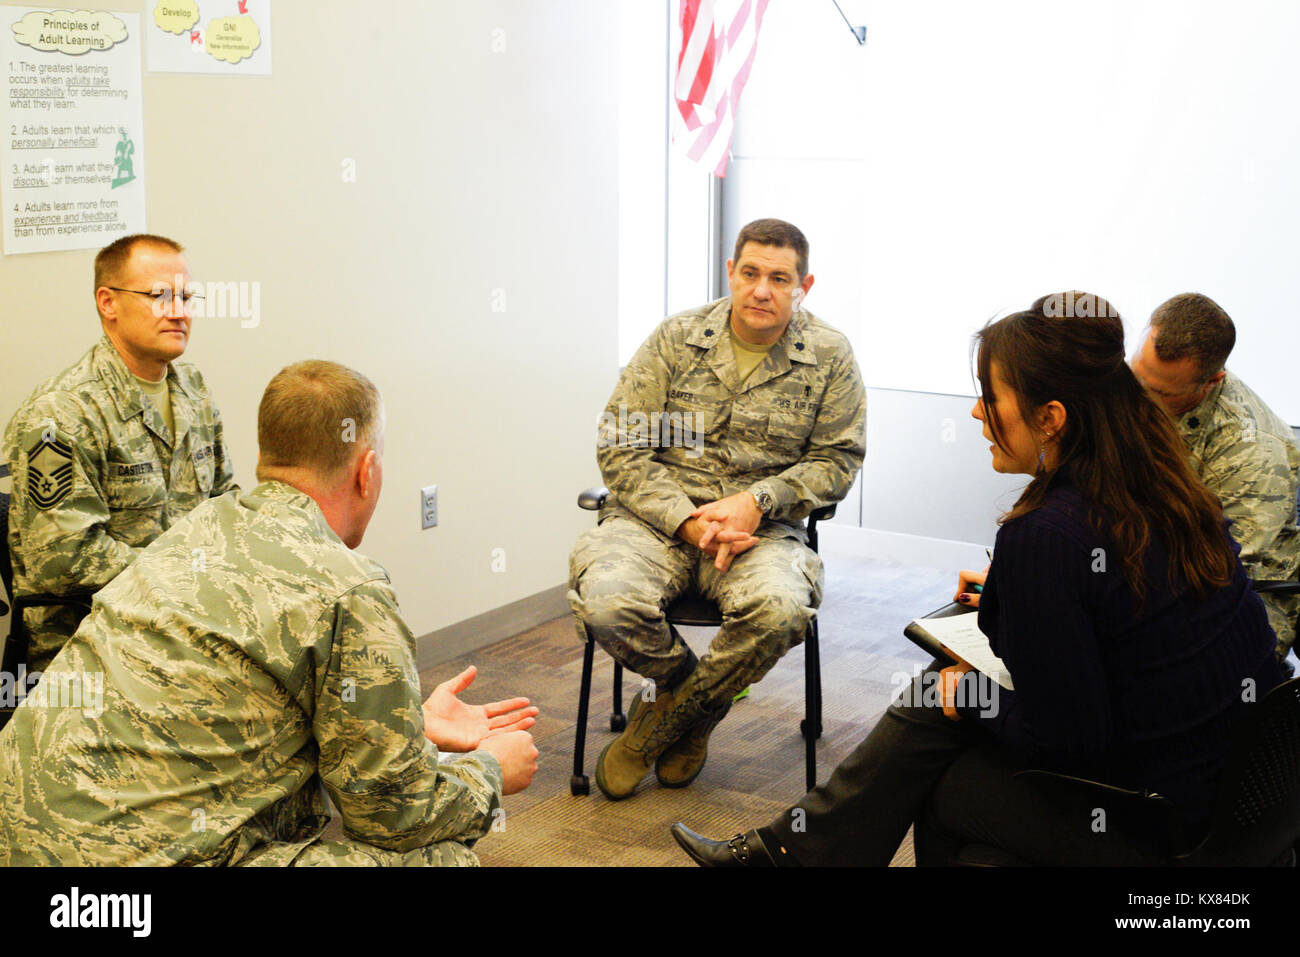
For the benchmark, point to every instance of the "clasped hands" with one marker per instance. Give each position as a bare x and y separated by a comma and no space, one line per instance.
724,528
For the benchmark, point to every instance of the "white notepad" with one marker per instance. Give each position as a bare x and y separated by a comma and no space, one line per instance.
961,634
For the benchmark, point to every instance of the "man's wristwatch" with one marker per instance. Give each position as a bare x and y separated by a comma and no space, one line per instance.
764,499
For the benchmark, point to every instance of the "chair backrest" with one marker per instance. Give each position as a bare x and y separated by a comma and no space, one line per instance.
6,566
1257,813
6,603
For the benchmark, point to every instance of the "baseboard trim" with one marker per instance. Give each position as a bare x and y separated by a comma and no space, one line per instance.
491,626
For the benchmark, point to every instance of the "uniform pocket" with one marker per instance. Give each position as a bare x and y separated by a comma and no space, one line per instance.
694,417
750,423
205,468
790,429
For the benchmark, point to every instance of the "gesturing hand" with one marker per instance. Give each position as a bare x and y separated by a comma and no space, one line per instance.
453,725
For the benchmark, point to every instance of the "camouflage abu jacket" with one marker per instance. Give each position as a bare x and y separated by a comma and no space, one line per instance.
97,475
681,430
247,657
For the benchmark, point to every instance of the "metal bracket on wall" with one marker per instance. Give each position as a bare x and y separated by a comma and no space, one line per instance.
859,33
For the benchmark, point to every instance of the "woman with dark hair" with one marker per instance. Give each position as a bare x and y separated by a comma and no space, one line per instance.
1117,602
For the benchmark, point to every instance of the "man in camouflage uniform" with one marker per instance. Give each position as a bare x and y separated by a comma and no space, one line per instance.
245,658
1239,447
729,426
109,453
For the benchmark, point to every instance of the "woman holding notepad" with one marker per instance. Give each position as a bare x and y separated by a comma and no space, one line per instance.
1116,601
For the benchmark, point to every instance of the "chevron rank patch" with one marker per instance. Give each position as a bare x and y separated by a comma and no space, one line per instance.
49,473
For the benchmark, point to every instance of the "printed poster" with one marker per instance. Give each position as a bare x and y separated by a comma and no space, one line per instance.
73,147
227,37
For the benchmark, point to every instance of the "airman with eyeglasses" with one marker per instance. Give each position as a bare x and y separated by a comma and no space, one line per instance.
109,453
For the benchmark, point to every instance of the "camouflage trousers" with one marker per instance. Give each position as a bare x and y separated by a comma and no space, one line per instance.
623,575
48,630
348,853
1282,611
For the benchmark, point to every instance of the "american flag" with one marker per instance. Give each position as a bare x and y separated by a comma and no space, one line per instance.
719,38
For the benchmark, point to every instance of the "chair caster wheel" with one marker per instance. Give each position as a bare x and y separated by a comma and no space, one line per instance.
803,729
617,722
579,784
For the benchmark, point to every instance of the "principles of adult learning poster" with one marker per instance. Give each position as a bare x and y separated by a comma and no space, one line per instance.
73,128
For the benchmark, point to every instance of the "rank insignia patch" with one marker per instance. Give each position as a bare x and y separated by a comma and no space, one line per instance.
49,473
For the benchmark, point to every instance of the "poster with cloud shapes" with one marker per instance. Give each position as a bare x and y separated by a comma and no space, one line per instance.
72,155
223,37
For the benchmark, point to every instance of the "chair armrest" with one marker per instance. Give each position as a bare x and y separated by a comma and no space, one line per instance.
593,499
16,645
54,601
1276,588
821,514
1137,812
815,516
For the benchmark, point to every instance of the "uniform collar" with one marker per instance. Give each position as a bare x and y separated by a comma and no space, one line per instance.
128,397
1203,412
711,334
273,490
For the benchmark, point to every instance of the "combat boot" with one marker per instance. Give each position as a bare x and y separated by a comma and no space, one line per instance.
674,680
684,760
626,760
652,728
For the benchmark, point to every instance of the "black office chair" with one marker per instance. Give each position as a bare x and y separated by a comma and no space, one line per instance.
1256,817
693,609
16,645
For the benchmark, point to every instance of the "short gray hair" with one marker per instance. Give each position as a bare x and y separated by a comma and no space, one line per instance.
1192,325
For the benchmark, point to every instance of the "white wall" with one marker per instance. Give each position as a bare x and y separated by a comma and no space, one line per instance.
972,156
478,174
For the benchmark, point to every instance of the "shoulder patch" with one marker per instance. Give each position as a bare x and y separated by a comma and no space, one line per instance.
49,473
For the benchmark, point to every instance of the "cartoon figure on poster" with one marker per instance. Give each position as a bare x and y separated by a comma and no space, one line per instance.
125,171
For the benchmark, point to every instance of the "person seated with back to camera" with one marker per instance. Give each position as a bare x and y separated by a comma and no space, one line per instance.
1116,600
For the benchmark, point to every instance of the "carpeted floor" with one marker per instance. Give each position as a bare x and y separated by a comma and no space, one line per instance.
756,756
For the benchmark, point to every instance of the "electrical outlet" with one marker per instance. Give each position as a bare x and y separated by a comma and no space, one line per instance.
429,506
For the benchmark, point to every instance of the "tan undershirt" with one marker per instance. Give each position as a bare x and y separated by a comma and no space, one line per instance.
161,397
748,356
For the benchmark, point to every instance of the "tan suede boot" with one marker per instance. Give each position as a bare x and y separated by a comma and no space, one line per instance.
684,760
626,760
652,728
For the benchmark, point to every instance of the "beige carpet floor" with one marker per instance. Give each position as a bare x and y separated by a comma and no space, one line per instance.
756,761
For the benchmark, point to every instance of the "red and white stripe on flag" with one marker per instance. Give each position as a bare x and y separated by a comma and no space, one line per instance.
719,38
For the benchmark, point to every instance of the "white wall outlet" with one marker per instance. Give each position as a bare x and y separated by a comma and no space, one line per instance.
429,506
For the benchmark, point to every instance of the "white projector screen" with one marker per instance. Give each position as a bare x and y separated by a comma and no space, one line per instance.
973,156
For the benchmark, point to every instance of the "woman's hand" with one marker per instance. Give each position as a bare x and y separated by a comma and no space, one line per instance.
948,678
966,582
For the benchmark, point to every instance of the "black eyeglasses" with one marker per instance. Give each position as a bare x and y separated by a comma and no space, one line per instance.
161,296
